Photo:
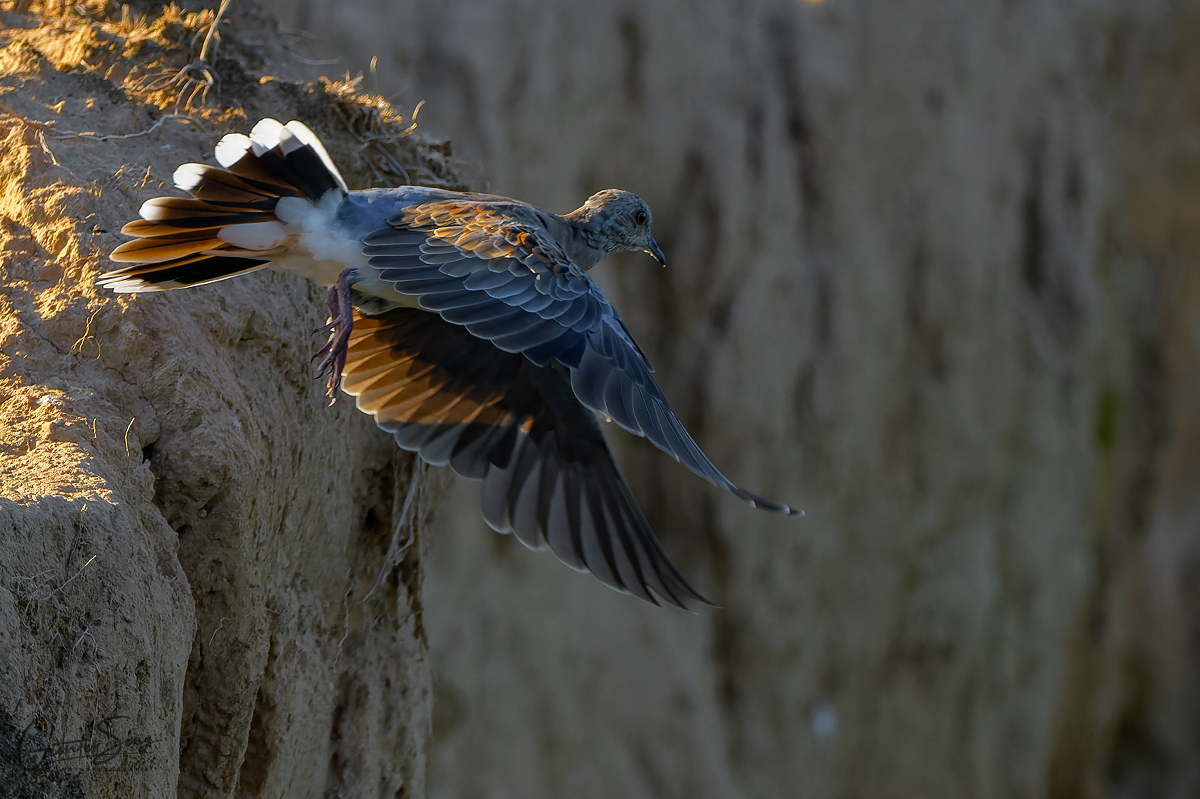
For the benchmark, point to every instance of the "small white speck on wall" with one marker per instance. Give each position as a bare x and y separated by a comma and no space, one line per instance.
824,721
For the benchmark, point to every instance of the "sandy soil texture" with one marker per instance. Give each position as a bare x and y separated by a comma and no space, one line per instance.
206,583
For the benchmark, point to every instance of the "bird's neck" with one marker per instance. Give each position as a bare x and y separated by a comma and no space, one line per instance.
579,234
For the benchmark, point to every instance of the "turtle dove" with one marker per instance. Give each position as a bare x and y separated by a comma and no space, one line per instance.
466,324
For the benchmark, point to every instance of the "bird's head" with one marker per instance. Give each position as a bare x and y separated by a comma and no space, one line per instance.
620,221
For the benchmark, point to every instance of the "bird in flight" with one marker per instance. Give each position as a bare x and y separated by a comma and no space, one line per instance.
465,323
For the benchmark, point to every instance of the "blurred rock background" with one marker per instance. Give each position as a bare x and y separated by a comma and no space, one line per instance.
934,277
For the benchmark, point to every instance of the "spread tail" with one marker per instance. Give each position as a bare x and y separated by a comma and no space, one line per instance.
228,226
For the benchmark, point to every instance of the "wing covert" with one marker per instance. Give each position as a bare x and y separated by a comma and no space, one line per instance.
477,264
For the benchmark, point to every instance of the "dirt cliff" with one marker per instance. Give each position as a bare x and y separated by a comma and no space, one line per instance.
209,579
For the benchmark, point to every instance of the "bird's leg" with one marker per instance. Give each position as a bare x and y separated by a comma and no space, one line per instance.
335,313
341,323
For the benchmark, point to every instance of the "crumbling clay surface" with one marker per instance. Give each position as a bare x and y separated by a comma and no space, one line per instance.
209,579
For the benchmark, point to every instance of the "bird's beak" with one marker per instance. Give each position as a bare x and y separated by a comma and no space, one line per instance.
655,252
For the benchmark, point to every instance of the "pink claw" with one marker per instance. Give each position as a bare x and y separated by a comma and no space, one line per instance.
341,323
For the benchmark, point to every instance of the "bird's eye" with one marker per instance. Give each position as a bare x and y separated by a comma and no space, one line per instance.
640,217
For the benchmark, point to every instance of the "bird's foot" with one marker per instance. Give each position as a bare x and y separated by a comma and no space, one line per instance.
340,325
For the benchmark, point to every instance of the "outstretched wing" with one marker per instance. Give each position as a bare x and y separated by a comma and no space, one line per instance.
492,268
494,416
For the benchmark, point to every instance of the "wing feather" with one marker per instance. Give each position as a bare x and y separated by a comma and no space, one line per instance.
492,266
547,474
